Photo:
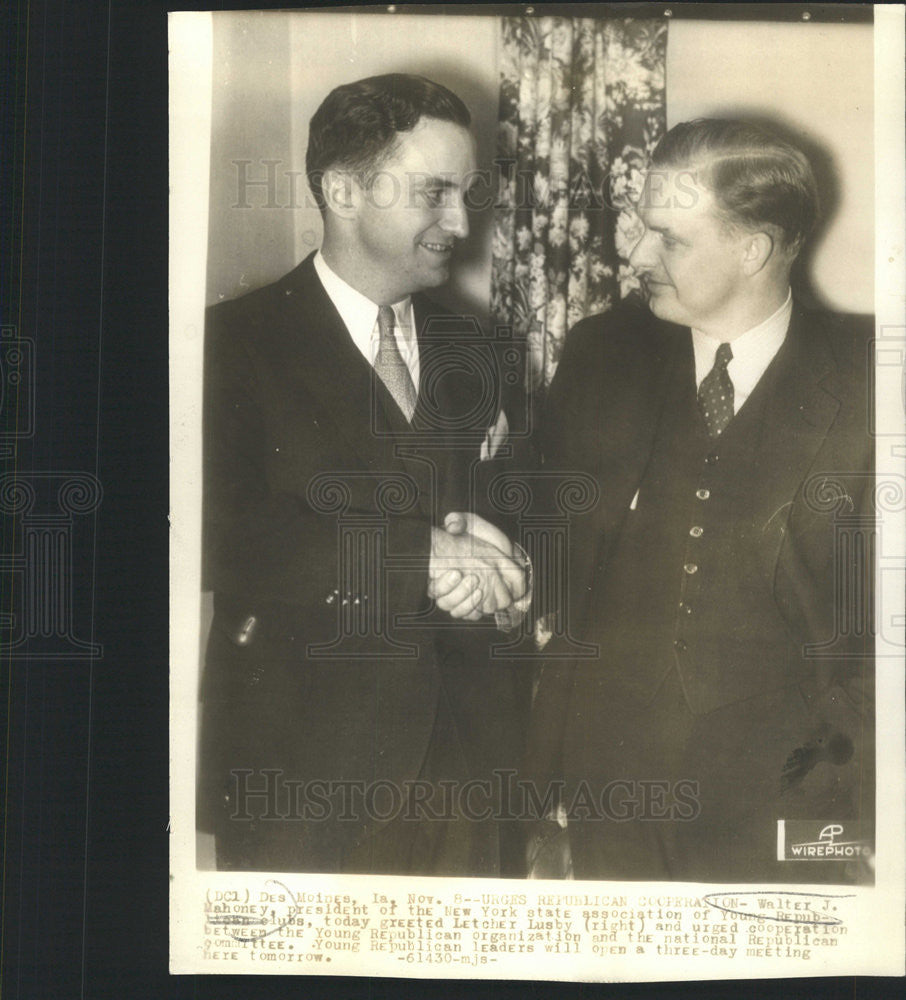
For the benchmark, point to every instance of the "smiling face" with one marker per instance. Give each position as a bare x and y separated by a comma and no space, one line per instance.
411,211
689,261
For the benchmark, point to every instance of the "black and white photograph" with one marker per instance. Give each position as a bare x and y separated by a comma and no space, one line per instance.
537,491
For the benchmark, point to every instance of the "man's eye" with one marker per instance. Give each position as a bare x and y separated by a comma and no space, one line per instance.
668,242
433,196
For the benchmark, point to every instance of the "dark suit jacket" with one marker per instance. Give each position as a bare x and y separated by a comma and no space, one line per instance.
303,443
812,466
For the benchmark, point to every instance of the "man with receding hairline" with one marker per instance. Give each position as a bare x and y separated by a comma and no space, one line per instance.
731,697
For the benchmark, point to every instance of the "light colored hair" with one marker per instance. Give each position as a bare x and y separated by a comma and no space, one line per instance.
759,181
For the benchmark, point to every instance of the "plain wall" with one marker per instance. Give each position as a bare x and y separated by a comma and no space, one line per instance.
272,69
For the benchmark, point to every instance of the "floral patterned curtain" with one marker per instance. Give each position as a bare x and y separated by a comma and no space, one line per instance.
581,107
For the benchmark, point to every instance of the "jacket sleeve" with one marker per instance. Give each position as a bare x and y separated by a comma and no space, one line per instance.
272,539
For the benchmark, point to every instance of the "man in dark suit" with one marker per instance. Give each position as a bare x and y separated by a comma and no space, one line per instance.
346,418
725,576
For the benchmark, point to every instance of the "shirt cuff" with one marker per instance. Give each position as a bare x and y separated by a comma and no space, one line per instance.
512,617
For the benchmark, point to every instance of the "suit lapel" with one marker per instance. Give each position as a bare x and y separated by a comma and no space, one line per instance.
328,365
802,402
665,372
639,401
437,433
330,368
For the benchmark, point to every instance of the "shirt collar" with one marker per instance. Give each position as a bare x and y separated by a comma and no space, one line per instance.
358,312
752,350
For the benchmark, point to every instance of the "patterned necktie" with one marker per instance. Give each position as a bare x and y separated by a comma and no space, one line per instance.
390,366
715,394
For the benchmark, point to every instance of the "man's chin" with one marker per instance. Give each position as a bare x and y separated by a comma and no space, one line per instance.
657,303
438,275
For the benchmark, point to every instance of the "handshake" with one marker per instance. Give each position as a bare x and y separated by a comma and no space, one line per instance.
476,570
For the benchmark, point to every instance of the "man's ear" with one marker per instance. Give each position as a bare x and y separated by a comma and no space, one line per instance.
341,192
758,248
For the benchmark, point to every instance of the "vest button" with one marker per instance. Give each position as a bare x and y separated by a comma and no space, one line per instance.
690,568
703,494
713,458
696,531
680,645
685,608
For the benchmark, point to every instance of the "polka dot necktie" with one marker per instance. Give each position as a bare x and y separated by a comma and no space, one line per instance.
391,367
715,394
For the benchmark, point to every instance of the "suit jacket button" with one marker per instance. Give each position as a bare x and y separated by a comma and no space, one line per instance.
703,494
713,458
680,645
690,568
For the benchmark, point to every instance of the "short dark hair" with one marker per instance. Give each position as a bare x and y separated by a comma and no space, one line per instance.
357,123
757,178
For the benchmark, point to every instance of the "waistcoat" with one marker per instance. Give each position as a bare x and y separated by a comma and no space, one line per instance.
684,587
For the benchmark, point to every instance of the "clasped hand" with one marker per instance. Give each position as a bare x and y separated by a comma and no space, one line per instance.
474,569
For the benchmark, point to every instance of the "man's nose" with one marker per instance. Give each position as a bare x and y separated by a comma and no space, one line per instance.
455,219
642,257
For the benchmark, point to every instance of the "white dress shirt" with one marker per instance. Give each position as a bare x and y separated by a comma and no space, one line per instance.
359,314
753,351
